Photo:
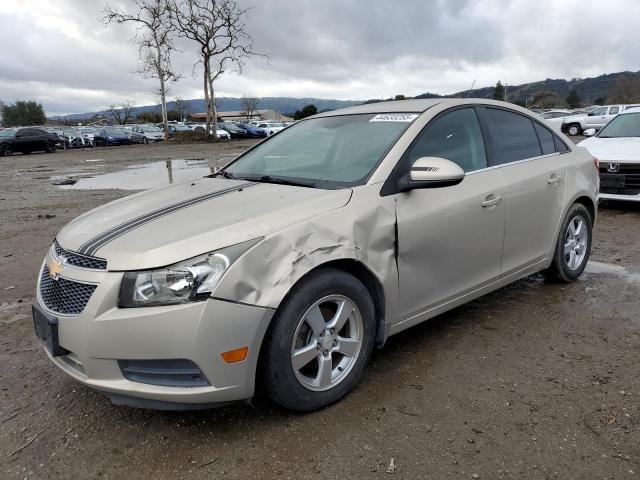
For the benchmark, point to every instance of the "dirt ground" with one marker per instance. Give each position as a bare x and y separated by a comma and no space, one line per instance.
535,380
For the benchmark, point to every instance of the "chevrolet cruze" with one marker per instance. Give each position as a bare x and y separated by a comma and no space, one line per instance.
284,269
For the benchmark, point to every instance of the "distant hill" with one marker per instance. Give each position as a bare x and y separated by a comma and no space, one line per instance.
283,105
589,89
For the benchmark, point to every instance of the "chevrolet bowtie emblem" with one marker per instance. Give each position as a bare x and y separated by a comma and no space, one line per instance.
55,267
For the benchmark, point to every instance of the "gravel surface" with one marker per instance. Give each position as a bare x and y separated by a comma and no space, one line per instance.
536,380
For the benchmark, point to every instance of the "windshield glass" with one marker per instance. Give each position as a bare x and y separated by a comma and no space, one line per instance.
151,129
10,132
330,152
627,125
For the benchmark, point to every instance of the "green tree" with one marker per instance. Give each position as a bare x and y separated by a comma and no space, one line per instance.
149,117
498,91
174,115
306,111
573,100
23,114
400,97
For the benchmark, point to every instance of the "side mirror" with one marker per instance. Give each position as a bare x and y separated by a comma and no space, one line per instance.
589,132
432,172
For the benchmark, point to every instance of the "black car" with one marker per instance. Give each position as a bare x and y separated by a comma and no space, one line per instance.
27,140
234,130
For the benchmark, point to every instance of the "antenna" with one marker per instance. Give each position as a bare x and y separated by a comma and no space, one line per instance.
472,85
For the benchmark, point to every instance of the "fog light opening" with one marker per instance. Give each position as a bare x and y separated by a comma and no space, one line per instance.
235,356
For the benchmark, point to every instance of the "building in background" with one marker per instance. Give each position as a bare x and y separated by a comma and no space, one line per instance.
241,116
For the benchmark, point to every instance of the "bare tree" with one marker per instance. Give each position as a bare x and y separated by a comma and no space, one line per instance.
121,112
250,105
154,37
182,107
217,27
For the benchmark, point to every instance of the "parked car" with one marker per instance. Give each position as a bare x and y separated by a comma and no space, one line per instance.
173,128
253,131
136,137
89,133
287,266
109,136
74,138
26,140
223,134
270,127
617,147
596,119
234,130
150,133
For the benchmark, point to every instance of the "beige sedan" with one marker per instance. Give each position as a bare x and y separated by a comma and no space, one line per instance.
285,268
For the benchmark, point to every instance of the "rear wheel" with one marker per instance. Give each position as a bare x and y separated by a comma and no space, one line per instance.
573,246
5,150
574,129
319,342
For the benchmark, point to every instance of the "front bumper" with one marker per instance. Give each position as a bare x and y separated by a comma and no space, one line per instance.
199,332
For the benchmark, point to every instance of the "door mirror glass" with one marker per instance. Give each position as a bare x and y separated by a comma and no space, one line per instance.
589,132
432,172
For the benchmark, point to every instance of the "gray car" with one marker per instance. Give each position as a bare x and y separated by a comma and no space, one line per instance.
288,266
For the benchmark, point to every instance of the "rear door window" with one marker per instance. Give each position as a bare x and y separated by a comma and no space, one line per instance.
614,110
514,136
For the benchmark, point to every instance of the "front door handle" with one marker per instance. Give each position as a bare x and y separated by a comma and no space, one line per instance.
491,201
554,179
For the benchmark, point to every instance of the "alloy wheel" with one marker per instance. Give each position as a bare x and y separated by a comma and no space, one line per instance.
576,242
327,343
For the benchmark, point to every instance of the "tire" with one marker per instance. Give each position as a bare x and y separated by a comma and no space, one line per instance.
145,140
5,150
573,246
574,129
51,147
295,328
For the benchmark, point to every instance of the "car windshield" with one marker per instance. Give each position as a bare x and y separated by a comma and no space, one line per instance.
9,132
627,125
328,152
116,131
151,129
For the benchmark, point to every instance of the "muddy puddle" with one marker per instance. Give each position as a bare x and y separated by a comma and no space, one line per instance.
136,177
612,269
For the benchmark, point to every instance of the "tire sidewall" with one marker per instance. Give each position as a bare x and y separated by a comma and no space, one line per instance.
277,373
563,268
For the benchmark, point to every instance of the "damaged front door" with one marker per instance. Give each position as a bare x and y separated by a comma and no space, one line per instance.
450,239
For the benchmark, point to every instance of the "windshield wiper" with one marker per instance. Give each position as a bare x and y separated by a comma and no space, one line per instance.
283,181
225,174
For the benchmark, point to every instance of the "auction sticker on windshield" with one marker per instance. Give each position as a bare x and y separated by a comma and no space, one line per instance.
395,117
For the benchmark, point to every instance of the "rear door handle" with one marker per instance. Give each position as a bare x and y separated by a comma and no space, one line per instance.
491,200
554,179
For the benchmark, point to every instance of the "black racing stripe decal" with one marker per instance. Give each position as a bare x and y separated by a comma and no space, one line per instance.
91,246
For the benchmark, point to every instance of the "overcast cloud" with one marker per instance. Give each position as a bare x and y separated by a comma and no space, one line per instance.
58,52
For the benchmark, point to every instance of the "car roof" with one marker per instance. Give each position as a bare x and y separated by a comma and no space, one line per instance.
418,106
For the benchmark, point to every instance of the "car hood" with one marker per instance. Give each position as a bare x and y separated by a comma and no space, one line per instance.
164,226
618,149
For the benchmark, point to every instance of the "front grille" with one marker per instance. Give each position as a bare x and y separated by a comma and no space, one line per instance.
78,260
64,296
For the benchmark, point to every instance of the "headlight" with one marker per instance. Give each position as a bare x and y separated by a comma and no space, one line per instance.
188,281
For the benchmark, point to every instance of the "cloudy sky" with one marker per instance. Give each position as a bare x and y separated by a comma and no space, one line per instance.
59,53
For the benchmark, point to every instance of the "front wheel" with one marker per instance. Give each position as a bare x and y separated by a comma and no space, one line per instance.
574,129
319,342
145,140
5,150
573,246
51,147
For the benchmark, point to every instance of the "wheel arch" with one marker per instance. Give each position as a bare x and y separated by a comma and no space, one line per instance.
588,203
360,271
